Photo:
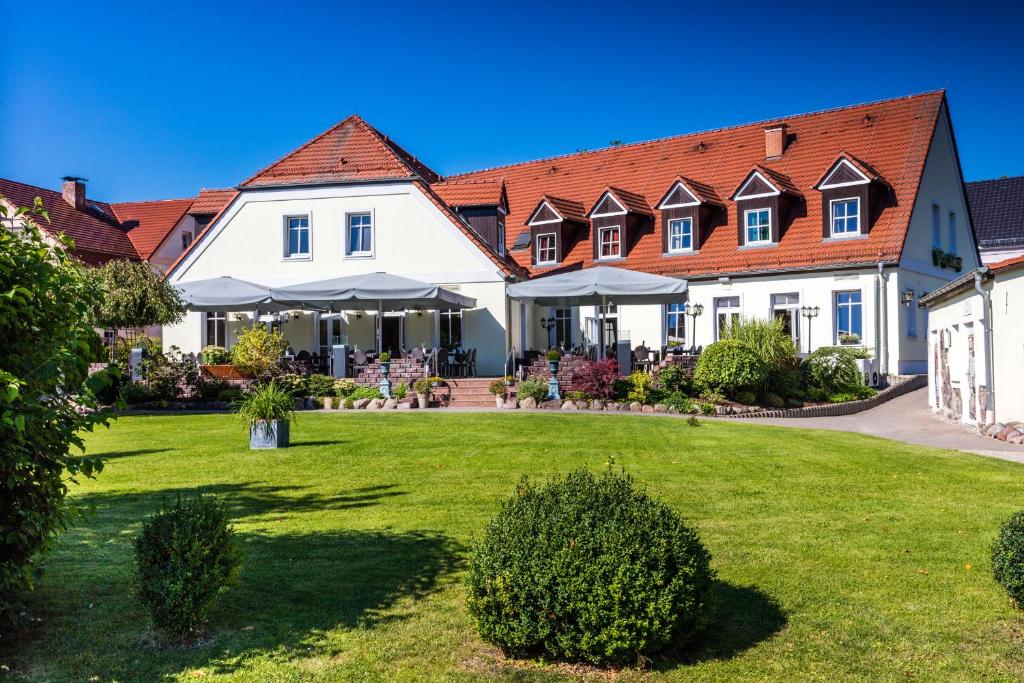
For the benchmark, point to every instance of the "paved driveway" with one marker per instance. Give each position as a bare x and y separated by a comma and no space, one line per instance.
908,419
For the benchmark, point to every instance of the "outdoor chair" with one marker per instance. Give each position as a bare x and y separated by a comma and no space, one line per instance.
360,362
416,354
471,363
641,359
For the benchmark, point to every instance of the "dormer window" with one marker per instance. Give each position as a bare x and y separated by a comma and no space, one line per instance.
845,217
555,227
759,226
680,235
618,218
547,250
764,201
610,241
851,194
688,210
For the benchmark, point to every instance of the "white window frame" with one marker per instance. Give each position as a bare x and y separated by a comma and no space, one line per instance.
362,253
540,249
307,256
835,313
734,312
686,225
832,218
600,242
680,314
746,227
186,239
215,317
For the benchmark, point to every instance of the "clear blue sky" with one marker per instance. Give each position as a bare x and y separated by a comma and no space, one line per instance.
156,102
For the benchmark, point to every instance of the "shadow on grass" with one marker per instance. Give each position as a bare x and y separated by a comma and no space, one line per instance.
742,617
245,499
129,454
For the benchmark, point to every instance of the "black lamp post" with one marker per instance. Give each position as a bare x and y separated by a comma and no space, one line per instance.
809,312
548,324
694,311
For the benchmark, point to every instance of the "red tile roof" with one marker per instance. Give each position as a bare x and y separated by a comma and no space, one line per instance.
1007,264
893,135
212,201
630,201
566,208
148,223
95,230
350,151
482,193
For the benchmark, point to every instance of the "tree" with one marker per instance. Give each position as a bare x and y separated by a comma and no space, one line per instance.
47,397
134,296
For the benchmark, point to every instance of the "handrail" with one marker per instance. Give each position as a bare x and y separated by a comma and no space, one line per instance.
510,363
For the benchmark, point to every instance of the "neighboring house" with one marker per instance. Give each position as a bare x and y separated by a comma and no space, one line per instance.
853,212
97,233
976,345
997,208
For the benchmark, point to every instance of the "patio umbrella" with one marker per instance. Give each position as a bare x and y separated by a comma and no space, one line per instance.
226,294
384,291
598,285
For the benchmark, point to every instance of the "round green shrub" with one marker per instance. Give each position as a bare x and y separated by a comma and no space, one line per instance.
588,569
320,385
1008,557
729,367
831,369
215,355
185,557
534,388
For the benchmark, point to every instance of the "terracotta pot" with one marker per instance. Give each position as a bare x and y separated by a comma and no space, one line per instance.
223,372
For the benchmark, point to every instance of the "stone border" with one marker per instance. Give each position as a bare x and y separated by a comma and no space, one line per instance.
900,385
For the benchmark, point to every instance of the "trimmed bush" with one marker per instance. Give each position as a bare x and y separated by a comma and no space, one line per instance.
532,388
257,351
186,555
674,379
1008,557
729,367
831,369
343,388
597,378
320,385
640,386
215,355
590,569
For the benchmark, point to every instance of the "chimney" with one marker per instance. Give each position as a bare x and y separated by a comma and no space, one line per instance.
774,141
73,191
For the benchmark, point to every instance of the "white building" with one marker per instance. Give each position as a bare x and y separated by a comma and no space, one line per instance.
976,345
854,212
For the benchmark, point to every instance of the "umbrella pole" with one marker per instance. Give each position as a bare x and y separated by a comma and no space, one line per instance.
600,332
380,325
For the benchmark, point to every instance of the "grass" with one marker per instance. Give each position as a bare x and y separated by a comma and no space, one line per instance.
839,556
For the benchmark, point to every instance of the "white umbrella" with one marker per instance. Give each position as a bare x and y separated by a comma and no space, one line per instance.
226,294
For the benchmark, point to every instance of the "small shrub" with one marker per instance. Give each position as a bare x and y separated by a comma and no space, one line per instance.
134,393
215,355
186,555
681,402
385,357
673,379
712,396
350,403
422,386
554,355
294,384
399,391
320,385
746,397
708,409
344,388
258,351
831,369
693,421
266,402
768,339
787,382
858,393
773,400
1008,558
498,387
576,395
365,392
534,388
640,385
588,569
729,367
597,378
230,394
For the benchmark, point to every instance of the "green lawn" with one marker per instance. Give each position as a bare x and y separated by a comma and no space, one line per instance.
838,556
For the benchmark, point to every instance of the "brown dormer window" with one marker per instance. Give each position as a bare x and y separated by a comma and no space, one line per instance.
619,218
688,211
555,226
764,201
851,194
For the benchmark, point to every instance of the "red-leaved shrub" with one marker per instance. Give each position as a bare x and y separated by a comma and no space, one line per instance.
596,378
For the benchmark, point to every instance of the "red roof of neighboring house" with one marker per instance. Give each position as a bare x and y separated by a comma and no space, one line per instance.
95,230
349,151
1007,264
894,136
148,223
482,193
212,201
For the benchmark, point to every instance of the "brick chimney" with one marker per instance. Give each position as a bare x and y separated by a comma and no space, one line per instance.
774,141
73,191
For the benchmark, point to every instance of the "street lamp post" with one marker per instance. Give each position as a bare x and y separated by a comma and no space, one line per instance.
548,324
809,312
694,311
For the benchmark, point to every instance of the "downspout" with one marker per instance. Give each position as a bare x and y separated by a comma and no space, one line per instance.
882,329
986,324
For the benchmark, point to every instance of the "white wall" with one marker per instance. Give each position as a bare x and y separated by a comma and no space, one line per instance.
170,249
1008,345
997,255
411,238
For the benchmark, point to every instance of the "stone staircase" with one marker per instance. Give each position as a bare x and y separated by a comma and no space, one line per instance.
469,392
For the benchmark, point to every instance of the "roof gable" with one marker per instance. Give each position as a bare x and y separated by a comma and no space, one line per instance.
615,201
351,151
480,193
844,172
149,223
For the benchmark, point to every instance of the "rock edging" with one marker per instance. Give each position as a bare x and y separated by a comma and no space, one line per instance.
899,386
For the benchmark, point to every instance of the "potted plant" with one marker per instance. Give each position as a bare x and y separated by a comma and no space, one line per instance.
385,362
268,410
849,339
499,390
553,359
436,381
422,389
